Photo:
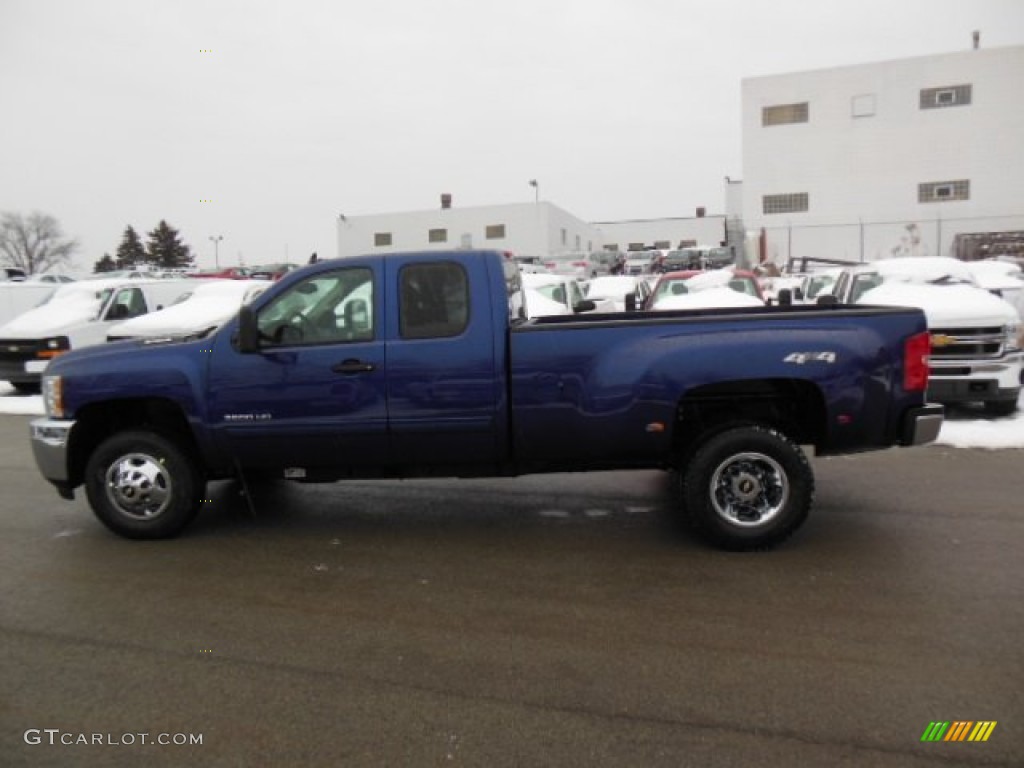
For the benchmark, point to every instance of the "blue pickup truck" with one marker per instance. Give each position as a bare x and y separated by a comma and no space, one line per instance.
421,364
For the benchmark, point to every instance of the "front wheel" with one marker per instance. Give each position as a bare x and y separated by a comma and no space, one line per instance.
142,486
747,488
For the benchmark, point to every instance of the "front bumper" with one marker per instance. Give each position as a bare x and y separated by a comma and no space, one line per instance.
922,424
961,381
50,441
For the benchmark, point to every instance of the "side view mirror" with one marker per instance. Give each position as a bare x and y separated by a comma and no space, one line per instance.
827,300
248,333
584,306
785,297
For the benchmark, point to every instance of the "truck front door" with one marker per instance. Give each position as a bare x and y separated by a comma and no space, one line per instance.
313,396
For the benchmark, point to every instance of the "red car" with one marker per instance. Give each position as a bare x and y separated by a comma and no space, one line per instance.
228,273
742,280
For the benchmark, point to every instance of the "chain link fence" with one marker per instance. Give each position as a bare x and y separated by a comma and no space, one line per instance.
965,238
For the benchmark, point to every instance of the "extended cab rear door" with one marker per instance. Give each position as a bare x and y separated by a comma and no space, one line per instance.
445,393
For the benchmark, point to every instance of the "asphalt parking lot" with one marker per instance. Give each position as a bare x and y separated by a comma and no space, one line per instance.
543,621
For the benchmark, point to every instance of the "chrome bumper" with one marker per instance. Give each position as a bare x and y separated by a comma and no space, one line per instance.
921,425
50,440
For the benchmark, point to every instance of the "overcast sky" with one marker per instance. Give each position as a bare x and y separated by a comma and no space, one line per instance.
262,121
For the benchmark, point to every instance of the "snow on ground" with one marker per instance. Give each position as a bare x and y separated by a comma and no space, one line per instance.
965,427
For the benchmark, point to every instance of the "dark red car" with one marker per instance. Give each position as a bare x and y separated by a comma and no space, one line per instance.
742,280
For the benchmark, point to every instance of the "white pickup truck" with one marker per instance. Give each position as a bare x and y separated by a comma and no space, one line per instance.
77,315
976,336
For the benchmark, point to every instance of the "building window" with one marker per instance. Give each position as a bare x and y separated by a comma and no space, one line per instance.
946,96
382,239
791,203
494,231
941,191
662,245
782,114
565,236
437,236
863,105
579,242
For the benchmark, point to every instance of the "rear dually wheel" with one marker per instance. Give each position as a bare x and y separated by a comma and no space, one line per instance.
747,487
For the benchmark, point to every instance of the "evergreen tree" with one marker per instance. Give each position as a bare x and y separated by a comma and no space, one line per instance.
165,249
130,252
106,264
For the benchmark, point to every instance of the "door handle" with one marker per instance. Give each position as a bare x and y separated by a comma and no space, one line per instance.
348,367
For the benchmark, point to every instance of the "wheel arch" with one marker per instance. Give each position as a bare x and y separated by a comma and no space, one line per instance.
95,423
794,407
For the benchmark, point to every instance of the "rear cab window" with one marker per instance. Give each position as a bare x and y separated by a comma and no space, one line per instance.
434,300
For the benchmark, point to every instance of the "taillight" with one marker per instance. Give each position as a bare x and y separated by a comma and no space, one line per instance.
916,351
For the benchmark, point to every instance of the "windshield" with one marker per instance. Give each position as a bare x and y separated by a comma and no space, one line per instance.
819,283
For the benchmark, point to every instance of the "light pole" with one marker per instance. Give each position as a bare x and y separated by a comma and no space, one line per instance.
216,250
541,246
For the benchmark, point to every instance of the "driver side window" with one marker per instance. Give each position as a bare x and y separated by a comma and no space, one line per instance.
328,308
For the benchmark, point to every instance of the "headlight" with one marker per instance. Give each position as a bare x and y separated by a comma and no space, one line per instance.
53,396
1014,337
50,348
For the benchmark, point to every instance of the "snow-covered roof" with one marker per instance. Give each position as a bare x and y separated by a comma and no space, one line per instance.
922,269
711,280
72,303
997,275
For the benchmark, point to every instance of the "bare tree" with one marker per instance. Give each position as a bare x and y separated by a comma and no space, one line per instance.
33,243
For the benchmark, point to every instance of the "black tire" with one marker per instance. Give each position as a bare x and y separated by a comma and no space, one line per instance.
143,486
747,488
1001,407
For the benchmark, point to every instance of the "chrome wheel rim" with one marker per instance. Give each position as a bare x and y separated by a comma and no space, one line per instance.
138,486
749,489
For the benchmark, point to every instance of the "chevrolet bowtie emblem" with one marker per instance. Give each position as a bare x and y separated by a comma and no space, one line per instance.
942,340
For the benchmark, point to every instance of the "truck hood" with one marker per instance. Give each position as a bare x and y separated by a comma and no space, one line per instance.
95,355
945,306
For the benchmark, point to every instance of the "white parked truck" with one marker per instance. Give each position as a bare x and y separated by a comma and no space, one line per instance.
975,335
77,315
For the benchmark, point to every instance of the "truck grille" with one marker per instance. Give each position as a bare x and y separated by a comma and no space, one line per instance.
967,343
17,350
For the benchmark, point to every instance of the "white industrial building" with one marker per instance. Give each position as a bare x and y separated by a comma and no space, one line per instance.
531,229
537,228
916,156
